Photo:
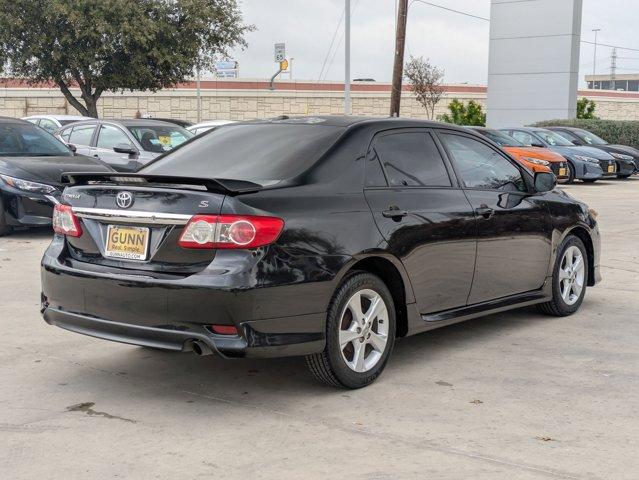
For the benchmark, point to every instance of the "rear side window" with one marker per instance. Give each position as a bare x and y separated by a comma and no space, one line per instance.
65,134
81,135
411,159
482,167
263,153
49,125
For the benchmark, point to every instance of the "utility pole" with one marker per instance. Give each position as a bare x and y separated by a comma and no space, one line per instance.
594,63
398,66
347,57
199,95
613,69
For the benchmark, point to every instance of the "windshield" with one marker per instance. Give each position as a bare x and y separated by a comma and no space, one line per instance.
501,139
591,138
159,138
263,153
551,138
27,140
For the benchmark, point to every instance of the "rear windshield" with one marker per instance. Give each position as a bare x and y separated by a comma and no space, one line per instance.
262,153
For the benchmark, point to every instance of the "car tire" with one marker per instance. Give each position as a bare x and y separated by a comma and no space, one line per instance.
589,180
569,281
571,173
360,333
623,177
4,228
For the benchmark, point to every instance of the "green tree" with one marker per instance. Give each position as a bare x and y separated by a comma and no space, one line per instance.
114,45
585,109
460,114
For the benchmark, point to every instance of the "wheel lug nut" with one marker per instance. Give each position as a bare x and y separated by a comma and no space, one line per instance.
361,340
359,330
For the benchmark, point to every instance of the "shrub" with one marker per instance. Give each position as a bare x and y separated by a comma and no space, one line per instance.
585,109
613,131
460,114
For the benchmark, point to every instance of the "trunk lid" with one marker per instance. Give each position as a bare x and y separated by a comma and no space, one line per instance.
135,221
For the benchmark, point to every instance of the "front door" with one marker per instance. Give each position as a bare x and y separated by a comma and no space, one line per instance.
513,224
424,216
108,137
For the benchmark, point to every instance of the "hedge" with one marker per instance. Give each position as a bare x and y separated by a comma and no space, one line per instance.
615,132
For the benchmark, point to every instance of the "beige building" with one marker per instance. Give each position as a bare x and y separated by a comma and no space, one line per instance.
247,99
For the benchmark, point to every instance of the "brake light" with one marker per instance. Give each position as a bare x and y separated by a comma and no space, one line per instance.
65,221
230,231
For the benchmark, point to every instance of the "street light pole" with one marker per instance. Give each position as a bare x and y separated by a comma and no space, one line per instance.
398,66
347,57
594,63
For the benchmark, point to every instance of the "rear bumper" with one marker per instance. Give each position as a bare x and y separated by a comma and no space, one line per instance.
250,343
171,312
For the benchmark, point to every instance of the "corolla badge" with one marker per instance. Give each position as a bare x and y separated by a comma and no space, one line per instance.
124,199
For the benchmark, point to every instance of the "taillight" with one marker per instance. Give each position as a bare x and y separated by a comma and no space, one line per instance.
65,221
230,231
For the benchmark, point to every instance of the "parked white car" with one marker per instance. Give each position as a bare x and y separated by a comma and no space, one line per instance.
206,126
51,123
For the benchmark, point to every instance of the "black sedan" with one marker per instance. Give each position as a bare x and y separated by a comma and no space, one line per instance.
627,158
31,165
326,237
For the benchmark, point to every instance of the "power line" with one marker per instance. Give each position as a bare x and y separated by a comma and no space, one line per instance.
339,43
328,53
450,10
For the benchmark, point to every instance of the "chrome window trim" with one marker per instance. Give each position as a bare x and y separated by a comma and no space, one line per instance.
132,216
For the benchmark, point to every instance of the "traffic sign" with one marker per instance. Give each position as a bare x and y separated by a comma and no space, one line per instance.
280,52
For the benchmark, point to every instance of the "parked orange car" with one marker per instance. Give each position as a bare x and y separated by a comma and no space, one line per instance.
535,158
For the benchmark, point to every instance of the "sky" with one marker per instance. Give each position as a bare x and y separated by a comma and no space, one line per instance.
454,42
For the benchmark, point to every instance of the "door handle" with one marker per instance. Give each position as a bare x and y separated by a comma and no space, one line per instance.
394,212
485,211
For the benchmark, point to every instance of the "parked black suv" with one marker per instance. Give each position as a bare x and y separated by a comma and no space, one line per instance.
322,236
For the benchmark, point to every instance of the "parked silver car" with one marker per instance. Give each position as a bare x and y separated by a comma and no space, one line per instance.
125,145
51,123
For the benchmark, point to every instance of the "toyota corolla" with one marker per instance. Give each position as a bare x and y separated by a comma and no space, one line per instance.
323,237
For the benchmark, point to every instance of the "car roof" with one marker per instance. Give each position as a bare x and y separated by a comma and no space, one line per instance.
60,117
352,120
526,129
143,122
13,120
210,123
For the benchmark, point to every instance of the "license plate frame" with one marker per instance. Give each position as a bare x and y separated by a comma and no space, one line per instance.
135,248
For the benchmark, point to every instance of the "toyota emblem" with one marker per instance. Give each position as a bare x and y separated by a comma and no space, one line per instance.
124,199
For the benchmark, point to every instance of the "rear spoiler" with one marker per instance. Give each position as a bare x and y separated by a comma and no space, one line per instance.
211,184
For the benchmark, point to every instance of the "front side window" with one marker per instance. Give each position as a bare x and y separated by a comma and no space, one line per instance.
110,136
567,135
482,167
411,159
551,138
27,140
160,139
81,135
524,137
501,139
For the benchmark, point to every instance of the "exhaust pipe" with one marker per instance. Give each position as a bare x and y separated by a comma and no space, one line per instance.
200,348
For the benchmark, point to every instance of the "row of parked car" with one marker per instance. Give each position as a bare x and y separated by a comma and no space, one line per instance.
30,186
570,153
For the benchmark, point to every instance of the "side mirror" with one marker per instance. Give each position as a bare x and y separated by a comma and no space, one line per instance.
72,147
125,148
578,141
545,181
537,144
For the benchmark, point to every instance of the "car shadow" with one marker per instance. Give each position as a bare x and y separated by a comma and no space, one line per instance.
33,233
180,377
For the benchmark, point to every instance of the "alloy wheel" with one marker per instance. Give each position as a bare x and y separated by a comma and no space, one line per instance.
363,333
571,275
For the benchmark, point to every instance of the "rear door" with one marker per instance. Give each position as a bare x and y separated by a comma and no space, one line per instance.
109,136
423,215
513,224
